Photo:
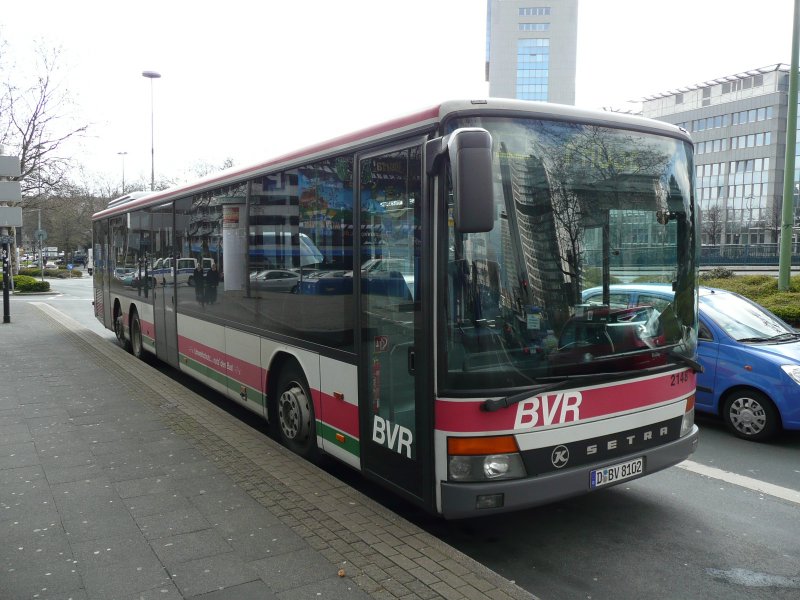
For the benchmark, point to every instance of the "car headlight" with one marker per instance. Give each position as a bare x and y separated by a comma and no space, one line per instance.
792,371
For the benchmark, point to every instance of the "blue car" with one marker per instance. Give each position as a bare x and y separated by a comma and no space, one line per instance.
750,357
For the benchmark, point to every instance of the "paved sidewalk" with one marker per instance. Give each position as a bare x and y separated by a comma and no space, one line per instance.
117,482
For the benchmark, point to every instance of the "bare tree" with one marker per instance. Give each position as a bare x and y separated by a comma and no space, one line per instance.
35,123
713,224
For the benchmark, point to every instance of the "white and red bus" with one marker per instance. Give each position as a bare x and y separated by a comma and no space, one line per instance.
407,299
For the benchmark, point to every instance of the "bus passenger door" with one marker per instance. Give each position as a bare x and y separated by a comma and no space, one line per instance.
394,438
163,284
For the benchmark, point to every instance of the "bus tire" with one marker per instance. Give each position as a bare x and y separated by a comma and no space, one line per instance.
294,413
119,327
136,347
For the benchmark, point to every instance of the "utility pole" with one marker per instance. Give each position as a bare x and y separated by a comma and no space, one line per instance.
787,216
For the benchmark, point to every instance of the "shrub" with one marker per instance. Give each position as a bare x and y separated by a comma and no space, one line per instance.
717,273
26,283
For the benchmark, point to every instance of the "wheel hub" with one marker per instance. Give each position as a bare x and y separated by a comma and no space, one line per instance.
748,416
293,413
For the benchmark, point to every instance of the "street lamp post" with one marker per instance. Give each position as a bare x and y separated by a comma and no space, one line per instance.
123,154
152,75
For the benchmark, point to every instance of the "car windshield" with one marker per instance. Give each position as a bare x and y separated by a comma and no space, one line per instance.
743,320
576,206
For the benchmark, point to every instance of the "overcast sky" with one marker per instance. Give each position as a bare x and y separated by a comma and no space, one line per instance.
247,80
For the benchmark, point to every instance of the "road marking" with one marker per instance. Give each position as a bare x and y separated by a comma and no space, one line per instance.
777,491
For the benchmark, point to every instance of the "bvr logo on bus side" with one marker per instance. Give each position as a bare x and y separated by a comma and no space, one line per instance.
547,410
395,437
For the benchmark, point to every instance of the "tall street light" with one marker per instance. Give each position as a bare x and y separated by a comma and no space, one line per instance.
123,154
152,75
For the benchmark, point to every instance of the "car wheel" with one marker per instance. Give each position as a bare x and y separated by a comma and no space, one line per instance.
294,413
750,415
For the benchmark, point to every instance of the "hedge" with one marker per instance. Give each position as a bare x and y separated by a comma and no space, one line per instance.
26,283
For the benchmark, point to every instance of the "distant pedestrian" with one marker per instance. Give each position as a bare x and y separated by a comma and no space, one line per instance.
198,279
212,281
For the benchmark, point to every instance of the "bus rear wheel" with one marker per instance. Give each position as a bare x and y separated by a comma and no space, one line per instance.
137,349
294,413
119,327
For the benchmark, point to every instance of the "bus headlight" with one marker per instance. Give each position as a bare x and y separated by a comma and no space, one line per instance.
484,459
688,417
485,468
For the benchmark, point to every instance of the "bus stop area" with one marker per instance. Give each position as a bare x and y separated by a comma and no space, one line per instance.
119,482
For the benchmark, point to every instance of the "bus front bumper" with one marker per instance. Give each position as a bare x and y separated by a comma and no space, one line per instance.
461,500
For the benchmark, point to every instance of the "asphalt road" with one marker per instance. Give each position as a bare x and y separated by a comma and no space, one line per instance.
724,525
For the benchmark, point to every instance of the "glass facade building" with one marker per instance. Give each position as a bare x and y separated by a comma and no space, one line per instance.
738,124
531,49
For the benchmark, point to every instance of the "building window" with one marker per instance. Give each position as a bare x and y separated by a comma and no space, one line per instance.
533,69
534,26
539,11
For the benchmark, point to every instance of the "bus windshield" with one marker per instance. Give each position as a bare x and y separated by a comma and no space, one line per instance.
575,206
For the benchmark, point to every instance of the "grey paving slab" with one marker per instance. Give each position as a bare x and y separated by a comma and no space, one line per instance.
93,526
252,590
18,504
20,454
290,570
159,503
255,543
52,579
122,579
172,523
212,573
109,550
187,547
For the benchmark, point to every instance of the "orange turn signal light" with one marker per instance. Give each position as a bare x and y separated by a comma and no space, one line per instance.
476,446
689,403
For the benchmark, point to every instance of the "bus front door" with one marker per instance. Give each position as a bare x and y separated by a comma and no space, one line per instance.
393,439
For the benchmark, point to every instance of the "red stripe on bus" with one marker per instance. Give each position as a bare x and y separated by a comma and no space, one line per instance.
230,366
592,403
339,414
148,329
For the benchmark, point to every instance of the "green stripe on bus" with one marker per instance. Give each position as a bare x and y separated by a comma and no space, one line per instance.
328,433
253,395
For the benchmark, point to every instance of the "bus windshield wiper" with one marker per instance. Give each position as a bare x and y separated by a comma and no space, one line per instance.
494,404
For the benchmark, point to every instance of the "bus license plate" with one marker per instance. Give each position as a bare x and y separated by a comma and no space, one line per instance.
615,473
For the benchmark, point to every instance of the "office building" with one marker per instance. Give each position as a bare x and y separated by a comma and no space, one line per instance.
738,125
531,48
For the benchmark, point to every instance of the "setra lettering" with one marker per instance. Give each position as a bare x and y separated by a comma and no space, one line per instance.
393,436
547,410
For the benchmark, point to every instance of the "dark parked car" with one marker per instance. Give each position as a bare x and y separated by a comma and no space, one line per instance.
751,358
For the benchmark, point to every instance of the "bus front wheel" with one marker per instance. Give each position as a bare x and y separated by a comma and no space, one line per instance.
294,413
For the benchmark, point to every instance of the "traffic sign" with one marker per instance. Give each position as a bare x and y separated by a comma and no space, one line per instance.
40,234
